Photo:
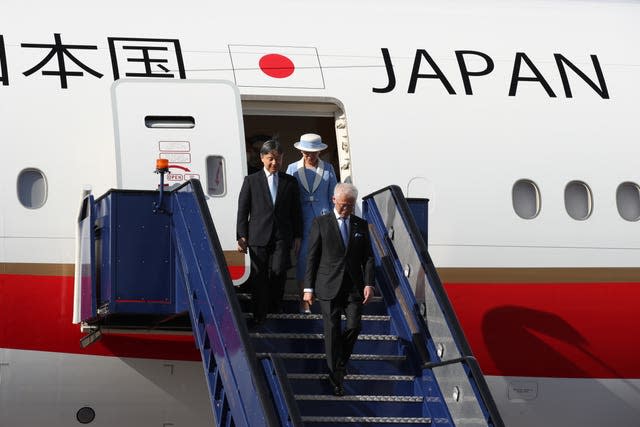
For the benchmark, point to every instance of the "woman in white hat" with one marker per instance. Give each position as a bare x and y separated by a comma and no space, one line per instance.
317,180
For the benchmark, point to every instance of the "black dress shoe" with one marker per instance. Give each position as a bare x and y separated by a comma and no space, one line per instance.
336,385
338,391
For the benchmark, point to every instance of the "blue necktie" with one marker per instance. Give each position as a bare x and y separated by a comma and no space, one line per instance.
273,187
343,231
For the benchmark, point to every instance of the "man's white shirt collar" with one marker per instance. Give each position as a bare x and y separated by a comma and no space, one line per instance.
338,217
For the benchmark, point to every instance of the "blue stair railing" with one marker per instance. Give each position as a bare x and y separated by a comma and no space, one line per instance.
146,261
286,405
422,314
231,368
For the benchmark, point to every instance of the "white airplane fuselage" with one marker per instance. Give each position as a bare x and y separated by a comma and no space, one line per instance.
457,102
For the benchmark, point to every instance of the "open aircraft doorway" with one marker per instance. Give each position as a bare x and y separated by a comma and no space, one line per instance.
289,119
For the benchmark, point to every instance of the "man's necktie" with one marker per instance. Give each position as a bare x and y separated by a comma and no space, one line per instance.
273,187
343,231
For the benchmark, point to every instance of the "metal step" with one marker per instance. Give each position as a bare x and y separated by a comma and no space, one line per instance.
323,356
361,406
300,316
354,384
269,342
291,304
312,323
363,377
388,364
303,336
360,398
336,421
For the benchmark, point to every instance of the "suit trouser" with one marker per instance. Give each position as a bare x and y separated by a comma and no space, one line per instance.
339,344
268,277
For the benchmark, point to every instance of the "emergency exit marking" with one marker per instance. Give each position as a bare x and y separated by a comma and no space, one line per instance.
174,146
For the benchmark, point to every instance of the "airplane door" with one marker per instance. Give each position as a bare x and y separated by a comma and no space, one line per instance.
196,125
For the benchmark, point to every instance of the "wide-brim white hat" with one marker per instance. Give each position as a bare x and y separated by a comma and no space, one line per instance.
310,142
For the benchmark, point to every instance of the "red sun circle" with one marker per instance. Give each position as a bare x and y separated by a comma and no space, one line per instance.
277,66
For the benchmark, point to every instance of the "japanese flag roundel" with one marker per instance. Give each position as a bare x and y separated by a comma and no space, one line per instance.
276,66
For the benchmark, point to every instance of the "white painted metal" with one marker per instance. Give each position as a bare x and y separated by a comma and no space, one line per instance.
558,402
463,151
214,107
39,388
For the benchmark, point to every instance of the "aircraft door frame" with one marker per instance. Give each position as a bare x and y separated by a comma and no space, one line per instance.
197,125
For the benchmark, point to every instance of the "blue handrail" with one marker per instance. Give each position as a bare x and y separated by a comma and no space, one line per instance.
283,396
214,306
420,306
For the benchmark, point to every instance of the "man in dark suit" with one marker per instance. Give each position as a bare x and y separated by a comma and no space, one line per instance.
269,224
339,274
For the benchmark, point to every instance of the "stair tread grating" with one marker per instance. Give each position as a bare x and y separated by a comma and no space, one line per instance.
385,420
360,398
354,356
300,316
284,335
355,377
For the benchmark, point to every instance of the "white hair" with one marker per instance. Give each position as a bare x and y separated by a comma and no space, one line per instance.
348,190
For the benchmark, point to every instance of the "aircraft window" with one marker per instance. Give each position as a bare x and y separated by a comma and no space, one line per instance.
628,201
526,199
170,122
32,188
578,200
216,185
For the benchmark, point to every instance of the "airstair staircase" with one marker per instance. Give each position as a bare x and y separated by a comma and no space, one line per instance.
411,365
380,385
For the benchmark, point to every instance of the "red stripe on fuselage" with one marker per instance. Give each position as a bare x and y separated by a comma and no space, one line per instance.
36,314
567,330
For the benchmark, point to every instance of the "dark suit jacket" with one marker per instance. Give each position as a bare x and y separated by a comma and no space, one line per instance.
328,262
258,218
